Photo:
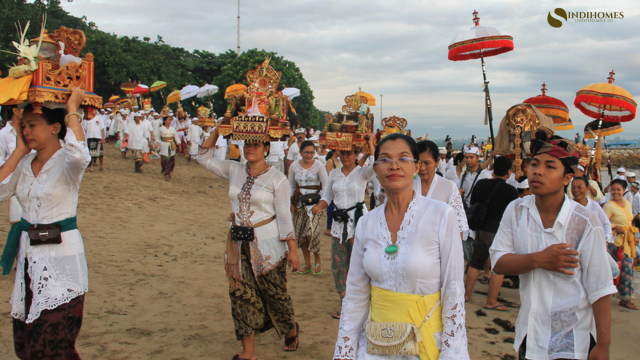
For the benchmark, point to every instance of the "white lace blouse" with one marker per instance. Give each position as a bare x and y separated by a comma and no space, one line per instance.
254,199
347,191
58,272
446,191
430,259
315,175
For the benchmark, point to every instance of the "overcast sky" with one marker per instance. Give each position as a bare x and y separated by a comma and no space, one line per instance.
399,49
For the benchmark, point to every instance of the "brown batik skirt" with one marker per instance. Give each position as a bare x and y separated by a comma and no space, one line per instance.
307,229
52,335
259,304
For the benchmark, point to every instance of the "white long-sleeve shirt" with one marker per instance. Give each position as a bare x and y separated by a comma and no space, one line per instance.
556,314
58,272
602,216
346,192
430,259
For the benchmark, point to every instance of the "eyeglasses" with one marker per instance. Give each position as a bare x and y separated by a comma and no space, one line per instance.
403,161
308,152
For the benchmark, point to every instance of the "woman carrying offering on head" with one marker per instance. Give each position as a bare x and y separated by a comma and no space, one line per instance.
260,244
51,274
345,188
406,271
307,179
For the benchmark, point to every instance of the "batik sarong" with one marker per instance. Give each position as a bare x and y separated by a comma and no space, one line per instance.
307,229
259,304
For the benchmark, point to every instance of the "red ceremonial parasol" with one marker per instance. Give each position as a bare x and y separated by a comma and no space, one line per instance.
128,86
477,43
608,103
141,89
553,108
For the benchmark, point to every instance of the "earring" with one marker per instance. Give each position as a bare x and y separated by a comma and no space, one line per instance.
415,176
376,176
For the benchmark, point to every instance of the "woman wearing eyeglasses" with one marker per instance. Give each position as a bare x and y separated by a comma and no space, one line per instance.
435,187
345,188
406,270
307,179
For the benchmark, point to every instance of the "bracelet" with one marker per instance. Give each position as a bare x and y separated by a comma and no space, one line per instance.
66,118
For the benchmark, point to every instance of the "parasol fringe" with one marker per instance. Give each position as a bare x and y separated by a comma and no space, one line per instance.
489,48
628,105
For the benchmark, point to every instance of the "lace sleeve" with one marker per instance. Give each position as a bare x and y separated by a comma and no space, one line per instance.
77,155
221,168
455,201
454,334
356,302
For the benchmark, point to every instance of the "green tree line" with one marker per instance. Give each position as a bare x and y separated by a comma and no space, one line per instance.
119,59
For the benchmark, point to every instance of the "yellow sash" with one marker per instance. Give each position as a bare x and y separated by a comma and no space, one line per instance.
389,306
169,140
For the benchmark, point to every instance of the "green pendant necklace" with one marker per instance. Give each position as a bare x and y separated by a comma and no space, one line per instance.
391,251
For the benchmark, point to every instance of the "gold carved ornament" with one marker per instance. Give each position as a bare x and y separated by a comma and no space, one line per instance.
73,39
353,103
263,79
521,119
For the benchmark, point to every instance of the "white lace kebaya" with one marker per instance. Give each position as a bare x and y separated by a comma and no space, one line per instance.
254,199
58,272
429,260
315,175
446,191
556,314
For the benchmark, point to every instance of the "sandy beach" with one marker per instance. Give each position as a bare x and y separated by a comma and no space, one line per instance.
157,288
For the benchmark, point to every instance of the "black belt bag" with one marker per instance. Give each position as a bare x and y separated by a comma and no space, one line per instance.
48,234
310,199
242,233
342,215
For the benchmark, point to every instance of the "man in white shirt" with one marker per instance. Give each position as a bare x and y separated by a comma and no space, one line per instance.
294,148
195,139
8,137
635,204
94,129
137,135
277,154
221,148
557,247
443,163
473,174
156,123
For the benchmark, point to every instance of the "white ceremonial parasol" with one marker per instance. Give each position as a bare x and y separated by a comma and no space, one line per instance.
188,92
207,90
291,92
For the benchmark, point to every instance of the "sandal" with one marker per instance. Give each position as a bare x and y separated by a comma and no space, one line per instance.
628,304
304,272
327,232
291,340
336,315
499,307
319,272
484,280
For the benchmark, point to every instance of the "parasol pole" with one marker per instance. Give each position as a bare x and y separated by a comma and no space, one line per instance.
487,99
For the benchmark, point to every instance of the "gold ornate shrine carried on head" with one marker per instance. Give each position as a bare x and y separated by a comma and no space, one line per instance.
516,130
258,112
52,69
393,125
351,127
204,117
